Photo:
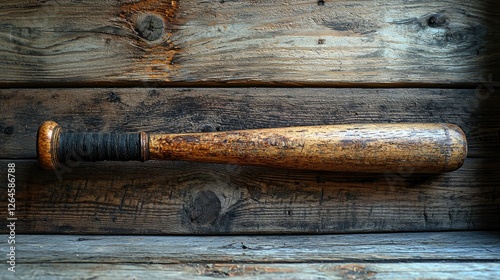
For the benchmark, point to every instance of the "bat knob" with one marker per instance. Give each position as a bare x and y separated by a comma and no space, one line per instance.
47,142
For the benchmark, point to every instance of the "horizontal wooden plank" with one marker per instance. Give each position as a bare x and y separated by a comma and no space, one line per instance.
473,271
389,248
470,255
299,42
221,109
192,198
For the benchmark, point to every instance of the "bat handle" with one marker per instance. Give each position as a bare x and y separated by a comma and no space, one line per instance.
55,146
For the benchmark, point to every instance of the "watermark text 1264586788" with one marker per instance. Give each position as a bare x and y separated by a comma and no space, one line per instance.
11,218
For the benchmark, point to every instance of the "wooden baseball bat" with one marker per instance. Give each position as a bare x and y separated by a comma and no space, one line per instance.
379,148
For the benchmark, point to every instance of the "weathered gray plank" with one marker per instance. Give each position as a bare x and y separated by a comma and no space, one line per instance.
341,271
194,110
464,255
186,198
389,247
249,42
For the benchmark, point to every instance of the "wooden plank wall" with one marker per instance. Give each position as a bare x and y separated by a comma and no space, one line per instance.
176,197
75,62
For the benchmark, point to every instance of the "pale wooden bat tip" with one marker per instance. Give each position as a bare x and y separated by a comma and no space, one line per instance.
47,139
457,145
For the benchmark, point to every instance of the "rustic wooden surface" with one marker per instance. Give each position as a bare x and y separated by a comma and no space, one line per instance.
146,43
174,197
191,198
297,42
464,255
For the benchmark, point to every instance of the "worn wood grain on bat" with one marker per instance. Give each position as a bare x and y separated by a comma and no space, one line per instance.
296,42
423,148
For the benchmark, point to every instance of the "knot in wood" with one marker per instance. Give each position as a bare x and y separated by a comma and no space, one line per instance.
438,20
150,27
205,208
8,130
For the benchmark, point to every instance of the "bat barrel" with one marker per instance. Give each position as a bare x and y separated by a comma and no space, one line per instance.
374,148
